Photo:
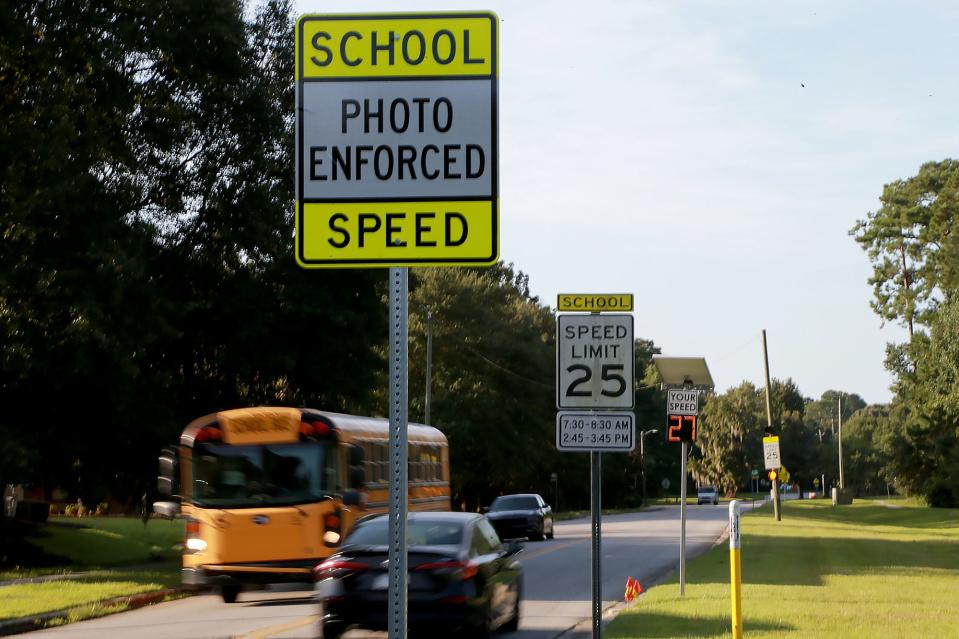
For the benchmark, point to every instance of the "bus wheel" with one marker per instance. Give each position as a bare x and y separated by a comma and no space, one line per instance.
333,630
229,593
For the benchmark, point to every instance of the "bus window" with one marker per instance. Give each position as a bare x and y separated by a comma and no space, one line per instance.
382,463
231,476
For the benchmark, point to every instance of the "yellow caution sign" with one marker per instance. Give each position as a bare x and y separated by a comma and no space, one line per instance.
594,303
397,140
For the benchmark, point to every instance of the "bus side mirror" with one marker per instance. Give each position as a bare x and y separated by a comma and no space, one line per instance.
168,479
165,486
166,509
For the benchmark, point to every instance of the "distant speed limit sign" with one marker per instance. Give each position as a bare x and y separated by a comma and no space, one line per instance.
594,361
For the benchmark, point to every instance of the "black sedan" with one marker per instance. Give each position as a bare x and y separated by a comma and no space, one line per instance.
460,576
516,516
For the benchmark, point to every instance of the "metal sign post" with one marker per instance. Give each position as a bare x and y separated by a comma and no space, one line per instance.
399,343
595,510
682,523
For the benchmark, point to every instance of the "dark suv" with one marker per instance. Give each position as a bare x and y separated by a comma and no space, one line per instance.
515,516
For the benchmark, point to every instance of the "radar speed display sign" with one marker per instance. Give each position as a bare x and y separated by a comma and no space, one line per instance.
682,410
594,361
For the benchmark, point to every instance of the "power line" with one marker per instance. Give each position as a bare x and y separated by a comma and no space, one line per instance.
506,370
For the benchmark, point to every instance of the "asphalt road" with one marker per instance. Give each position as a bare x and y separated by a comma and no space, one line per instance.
556,598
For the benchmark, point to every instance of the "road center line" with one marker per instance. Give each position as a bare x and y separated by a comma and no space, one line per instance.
280,628
552,548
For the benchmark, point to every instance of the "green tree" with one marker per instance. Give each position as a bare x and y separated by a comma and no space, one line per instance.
866,444
911,244
924,457
147,275
731,424
821,419
822,415
493,367
622,473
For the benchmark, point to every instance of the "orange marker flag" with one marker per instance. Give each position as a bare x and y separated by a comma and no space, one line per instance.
633,589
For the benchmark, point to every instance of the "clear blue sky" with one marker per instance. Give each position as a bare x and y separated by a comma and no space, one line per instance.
670,149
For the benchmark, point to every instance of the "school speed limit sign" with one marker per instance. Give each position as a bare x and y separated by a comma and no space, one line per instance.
594,361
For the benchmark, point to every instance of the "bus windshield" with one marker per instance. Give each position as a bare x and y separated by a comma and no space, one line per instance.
228,476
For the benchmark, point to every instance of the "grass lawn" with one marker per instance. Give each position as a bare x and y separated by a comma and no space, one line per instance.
121,556
106,541
30,599
855,572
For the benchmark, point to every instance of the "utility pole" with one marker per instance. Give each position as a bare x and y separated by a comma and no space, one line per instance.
429,365
769,422
842,482
642,460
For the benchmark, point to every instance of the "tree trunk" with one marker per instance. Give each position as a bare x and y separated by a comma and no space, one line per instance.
905,285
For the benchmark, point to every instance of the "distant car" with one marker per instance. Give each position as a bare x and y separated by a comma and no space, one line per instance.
515,516
461,577
707,495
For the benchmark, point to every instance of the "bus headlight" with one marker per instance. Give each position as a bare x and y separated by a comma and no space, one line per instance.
331,537
194,544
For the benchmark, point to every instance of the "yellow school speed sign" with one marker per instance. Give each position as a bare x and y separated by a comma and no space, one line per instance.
396,140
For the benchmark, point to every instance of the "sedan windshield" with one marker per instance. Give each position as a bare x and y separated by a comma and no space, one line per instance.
514,503
421,532
234,476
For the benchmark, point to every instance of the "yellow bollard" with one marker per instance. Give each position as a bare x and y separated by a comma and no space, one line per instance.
735,569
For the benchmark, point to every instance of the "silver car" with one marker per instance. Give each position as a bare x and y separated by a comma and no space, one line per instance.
707,495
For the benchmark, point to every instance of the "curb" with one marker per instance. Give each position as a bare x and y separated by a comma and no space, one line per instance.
131,602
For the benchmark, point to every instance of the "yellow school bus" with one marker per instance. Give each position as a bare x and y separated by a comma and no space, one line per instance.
266,493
